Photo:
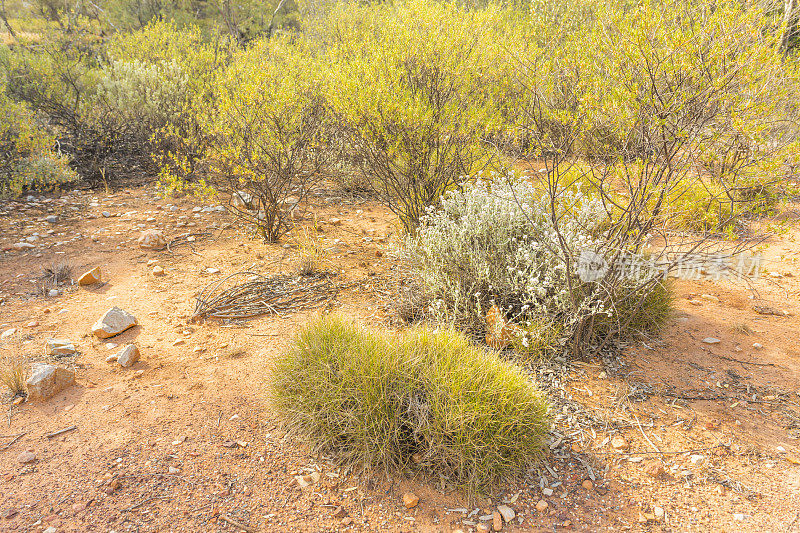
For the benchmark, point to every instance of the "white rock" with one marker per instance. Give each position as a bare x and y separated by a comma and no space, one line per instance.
739,517
106,214
47,380
711,340
113,322
152,239
507,512
757,345
52,219
8,333
128,355
242,200
60,347
158,270
547,491
52,293
658,512
23,245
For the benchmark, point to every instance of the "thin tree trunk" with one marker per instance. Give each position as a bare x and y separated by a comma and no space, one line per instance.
791,10
5,20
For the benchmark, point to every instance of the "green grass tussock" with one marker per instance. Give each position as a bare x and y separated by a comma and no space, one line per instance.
425,401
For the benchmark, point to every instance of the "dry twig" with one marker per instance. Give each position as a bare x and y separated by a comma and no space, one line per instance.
60,431
234,523
15,439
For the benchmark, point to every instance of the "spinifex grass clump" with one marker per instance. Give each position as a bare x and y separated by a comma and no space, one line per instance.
424,400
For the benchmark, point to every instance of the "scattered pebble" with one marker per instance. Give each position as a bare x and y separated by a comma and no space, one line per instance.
26,457
619,443
541,506
507,512
60,347
152,239
711,340
587,484
410,500
307,480
158,271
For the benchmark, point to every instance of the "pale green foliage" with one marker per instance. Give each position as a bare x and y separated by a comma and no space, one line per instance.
183,70
27,153
150,94
370,399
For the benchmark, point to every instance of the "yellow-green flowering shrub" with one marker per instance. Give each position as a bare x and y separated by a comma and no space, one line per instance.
407,83
181,67
266,136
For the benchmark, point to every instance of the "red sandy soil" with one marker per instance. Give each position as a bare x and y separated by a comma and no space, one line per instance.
184,439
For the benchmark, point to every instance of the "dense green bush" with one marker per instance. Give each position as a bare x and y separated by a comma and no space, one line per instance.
422,400
28,159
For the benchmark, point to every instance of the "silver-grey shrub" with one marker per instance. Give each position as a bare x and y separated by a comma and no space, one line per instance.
494,243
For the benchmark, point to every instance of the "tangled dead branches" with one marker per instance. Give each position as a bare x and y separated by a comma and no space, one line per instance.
261,295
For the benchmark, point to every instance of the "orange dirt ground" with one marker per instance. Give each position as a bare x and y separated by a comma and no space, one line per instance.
184,440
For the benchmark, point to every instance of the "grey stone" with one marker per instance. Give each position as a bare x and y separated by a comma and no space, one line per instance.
52,219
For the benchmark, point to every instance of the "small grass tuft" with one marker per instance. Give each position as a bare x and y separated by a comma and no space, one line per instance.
13,377
427,401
